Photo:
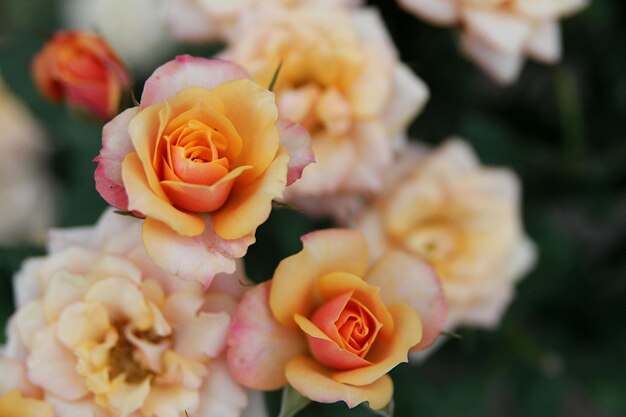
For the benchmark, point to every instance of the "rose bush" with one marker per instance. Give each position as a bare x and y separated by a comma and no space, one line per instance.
499,34
80,69
332,326
353,95
101,331
201,157
463,219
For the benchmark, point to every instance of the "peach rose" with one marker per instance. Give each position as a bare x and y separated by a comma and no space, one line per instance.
202,157
353,94
101,331
332,326
27,190
80,69
499,34
206,20
464,219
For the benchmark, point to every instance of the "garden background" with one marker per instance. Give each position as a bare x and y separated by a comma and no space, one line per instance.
561,347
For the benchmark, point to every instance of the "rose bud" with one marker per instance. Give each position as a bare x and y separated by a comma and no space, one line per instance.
80,69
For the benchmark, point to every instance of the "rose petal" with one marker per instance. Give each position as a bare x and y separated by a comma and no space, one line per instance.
386,354
14,377
202,198
407,280
501,30
13,404
259,347
410,95
315,382
297,141
187,71
142,198
439,12
333,284
220,395
544,42
503,67
324,251
115,145
252,110
198,334
196,258
53,367
326,351
169,401
249,206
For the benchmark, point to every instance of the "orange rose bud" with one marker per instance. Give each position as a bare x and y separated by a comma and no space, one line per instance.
80,69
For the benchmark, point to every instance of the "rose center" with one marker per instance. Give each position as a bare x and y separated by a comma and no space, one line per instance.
357,328
124,357
435,241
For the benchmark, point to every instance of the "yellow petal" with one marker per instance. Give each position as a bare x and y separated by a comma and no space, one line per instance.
141,198
252,110
249,206
12,404
315,382
295,280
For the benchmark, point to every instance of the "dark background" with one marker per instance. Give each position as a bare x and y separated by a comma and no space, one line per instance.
561,348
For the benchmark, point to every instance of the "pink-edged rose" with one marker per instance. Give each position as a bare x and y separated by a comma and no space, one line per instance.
201,158
331,325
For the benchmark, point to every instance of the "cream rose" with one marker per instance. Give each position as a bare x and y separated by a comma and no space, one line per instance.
499,34
341,79
27,203
101,331
464,219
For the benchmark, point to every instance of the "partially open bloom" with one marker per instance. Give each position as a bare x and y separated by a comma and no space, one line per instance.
26,187
331,325
462,218
100,330
206,20
341,79
80,69
202,157
499,34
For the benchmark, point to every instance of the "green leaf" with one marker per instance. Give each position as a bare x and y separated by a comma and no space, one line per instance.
384,412
292,402
285,205
452,335
275,77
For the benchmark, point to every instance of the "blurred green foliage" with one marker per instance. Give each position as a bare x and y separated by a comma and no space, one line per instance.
560,349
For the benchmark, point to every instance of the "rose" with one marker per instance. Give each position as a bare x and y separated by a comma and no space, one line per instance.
331,326
464,219
202,157
27,189
101,330
498,34
353,95
80,69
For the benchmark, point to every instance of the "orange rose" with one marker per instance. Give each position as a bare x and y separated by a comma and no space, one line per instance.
81,69
333,327
202,157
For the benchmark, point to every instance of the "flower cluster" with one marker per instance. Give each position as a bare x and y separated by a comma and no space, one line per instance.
149,313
